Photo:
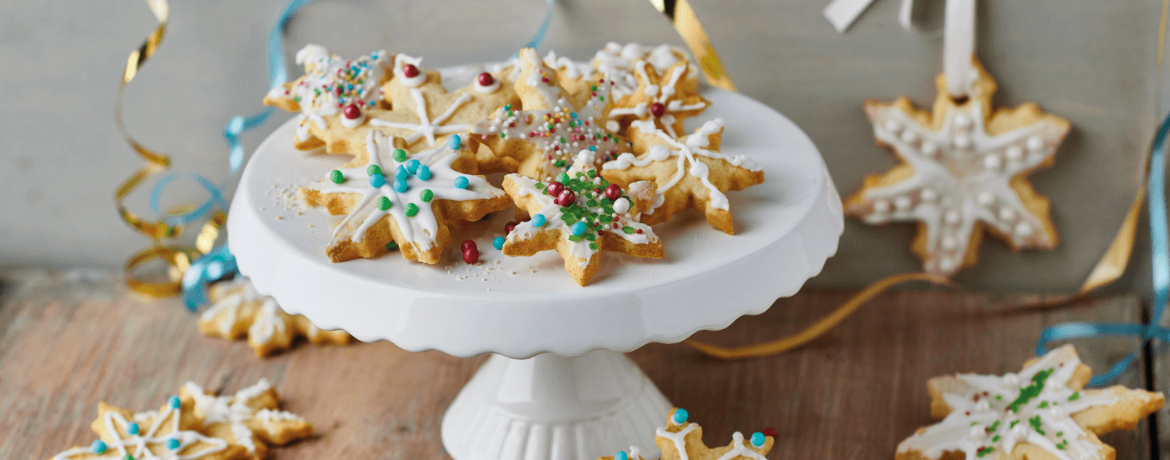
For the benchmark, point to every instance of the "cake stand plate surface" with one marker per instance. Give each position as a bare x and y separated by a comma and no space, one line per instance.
570,402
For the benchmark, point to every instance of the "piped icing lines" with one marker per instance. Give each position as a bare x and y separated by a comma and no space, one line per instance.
404,199
660,99
690,172
237,310
250,418
542,140
580,214
963,169
1042,412
616,62
167,433
682,440
332,91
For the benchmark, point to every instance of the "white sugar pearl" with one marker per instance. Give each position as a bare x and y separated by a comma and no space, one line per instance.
929,148
949,242
962,142
892,126
1023,230
985,198
881,206
1007,214
902,203
621,206
612,126
977,433
983,405
1014,153
928,194
953,217
992,162
909,136
962,121
1035,143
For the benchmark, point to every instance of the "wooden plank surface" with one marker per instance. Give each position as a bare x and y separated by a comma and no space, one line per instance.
70,340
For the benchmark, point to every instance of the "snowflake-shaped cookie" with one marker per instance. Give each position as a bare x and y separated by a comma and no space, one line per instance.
170,433
403,199
963,169
683,440
250,418
660,99
1041,413
579,215
690,172
616,62
329,86
237,310
542,140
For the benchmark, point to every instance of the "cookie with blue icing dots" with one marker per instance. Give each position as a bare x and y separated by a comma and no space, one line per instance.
681,439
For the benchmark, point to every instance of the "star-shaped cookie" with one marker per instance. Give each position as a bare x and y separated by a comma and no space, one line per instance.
323,95
401,198
660,98
1041,413
542,140
963,170
690,172
683,440
579,214
615,62
250,418
169,433
237,310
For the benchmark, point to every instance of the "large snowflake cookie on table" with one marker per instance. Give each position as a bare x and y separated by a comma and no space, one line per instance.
579,214
404,199
964,169
250,418
542,140
690,172
334,94
683,440
237,310
1043,412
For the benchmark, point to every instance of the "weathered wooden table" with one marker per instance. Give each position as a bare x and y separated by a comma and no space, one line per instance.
69,340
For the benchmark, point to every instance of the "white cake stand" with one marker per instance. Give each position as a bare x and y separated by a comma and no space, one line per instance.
557,385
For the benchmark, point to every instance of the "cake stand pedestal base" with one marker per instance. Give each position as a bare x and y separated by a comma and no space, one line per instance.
550,407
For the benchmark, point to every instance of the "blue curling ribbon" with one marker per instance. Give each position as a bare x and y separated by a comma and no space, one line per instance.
549,8
1160,245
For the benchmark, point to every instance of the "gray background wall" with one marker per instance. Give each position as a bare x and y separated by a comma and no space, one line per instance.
1090,61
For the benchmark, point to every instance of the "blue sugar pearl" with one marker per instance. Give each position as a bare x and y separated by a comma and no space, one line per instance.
592,148
172,443
412,165
578,229
132,428
377,180
424,172
401,172
538,220
400,186
498,243
455,142
621,455
174,402
680,416
98,447
461,182
758,439
574,115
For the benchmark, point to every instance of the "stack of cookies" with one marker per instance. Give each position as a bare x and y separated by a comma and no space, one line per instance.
592,155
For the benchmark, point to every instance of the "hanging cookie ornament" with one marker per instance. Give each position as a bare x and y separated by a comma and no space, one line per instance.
964,164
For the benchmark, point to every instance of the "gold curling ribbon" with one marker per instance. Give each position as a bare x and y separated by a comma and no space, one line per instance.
177,258
686,22
1108,269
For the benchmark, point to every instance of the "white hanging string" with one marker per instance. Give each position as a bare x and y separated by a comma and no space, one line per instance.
959,47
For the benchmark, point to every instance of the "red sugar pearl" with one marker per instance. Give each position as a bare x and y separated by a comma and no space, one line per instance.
508,227
613,192
467,244
555,188
485,79
409,71
657,109
352,111
770,432
471,255
565,198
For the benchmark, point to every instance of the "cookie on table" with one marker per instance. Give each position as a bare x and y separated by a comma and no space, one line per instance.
683,440
579,214
251,418
407,200
690,172
660,98
542,139
170,432
237,310
335,94
1041,413
616,62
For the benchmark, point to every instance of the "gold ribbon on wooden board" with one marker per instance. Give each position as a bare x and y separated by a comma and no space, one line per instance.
177,258
1108,269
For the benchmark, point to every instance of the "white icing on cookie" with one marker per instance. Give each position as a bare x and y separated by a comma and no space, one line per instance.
661,94
426,126
616,63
